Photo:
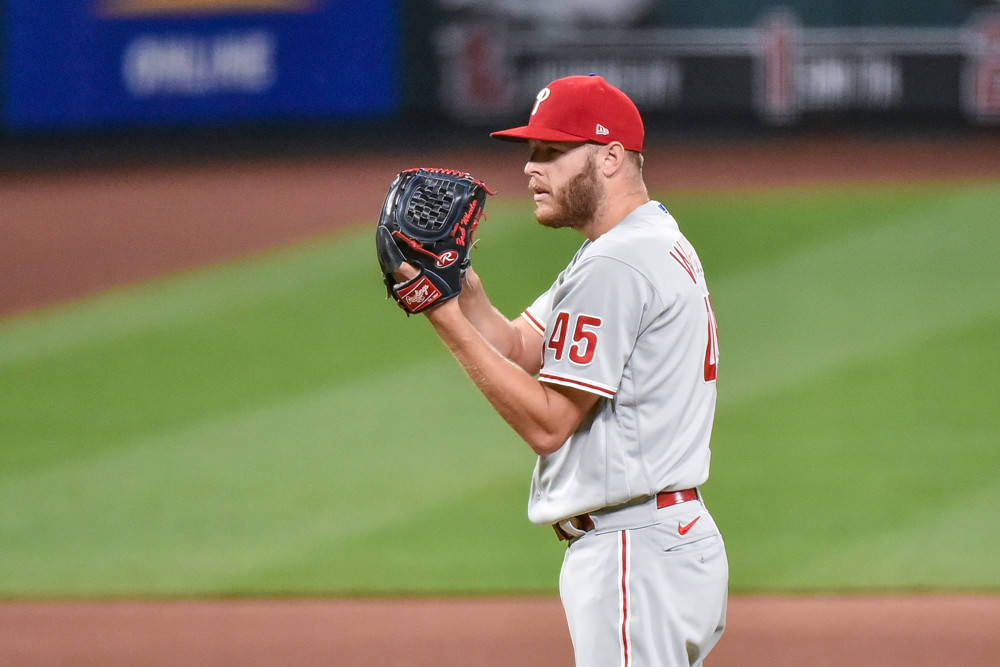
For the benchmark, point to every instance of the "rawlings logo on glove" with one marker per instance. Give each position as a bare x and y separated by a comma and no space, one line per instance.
417,294
428,220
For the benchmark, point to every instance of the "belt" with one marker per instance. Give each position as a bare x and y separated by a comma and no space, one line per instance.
668,498
576,526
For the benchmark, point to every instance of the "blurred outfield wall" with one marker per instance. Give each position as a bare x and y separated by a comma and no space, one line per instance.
79,66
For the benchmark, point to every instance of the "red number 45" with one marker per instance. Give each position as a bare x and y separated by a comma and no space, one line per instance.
584,340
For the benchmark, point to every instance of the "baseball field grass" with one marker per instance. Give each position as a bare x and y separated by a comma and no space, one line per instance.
274,426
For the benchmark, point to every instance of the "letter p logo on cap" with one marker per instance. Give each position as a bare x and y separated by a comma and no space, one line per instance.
542,95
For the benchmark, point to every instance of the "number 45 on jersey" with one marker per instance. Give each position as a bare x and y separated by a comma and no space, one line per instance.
583,344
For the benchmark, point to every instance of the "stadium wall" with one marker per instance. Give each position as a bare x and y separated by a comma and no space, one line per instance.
155,74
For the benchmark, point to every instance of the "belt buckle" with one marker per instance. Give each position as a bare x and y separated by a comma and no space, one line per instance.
573,528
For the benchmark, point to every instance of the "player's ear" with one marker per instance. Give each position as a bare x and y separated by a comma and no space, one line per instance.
612,158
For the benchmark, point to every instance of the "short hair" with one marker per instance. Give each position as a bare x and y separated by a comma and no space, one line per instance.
637,159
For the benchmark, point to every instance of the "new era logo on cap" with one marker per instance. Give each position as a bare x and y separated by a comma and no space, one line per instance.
581,108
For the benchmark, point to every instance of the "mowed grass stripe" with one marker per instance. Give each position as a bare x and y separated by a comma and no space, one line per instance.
338,275
169,302
94,393
948,548
855,400
101,373
475,541
868,450
231,433
192,509
902,278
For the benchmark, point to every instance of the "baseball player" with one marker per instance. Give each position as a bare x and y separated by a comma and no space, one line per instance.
610,377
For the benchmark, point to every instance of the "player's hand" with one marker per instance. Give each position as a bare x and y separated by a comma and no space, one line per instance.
472,280
406,271
428,222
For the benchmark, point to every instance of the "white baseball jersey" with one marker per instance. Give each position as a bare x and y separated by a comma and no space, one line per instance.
629,320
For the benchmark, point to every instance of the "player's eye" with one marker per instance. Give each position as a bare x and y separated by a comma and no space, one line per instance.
548,153
541,155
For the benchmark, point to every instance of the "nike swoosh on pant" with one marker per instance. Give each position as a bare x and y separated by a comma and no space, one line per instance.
683,530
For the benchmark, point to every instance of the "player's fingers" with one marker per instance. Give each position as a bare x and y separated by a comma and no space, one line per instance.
472,281
405,272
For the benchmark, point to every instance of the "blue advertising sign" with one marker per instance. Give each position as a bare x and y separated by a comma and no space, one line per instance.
103,63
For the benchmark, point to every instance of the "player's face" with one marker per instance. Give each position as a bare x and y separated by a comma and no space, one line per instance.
563,182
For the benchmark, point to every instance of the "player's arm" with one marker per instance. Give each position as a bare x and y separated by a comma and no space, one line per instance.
514,339
543,415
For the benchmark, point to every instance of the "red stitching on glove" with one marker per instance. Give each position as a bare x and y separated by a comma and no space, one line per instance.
452,172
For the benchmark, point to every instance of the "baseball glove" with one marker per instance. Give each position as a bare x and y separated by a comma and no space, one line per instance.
428,219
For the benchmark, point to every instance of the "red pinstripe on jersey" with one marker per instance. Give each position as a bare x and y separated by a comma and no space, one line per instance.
678,253
534,322
624,599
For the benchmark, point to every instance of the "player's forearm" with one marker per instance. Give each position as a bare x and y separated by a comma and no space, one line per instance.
540,415
487,320
494,326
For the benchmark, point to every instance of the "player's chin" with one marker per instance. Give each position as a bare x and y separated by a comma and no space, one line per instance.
546,215
549,218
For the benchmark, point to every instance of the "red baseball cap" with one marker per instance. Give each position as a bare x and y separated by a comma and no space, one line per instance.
581,108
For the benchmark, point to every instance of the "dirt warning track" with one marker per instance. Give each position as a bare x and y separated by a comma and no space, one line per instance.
825,631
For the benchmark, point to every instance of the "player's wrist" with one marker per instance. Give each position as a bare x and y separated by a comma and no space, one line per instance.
472,282
444,311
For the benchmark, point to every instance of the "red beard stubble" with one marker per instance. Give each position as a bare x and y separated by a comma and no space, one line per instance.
577,203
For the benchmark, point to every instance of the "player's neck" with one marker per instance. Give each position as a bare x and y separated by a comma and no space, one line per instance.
612,211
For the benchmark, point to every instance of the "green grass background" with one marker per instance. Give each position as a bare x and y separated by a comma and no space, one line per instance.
274,426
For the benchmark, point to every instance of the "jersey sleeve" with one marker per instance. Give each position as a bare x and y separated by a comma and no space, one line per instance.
538,313
594,320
